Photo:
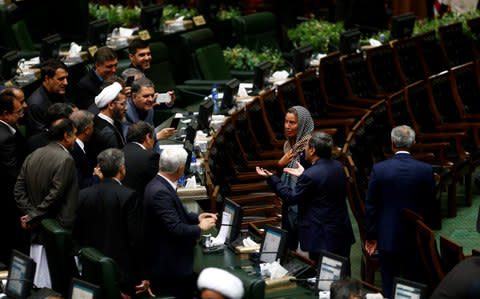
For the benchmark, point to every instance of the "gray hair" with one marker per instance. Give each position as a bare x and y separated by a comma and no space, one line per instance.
171,159
403,137
322,143
110,161
82,119
141,82
131,71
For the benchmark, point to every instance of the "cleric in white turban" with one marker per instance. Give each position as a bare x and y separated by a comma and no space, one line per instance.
107,95
215,283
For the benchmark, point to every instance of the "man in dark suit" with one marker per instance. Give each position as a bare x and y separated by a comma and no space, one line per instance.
323,221
107,126
106,220
171,232
398,183
88,87
12,154
86,172
54,83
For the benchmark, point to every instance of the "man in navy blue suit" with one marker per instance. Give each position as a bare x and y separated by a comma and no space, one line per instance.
398,183
170,231
323,221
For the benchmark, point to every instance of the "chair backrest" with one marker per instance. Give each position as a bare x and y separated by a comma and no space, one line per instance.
419,108
288,95
442,98
383,70
160,69
245,136
457,48
100,270
262,129
7,38
475,252
397,109
22,36
257,31
433,59
274,113
467,86
356,76
408,60
429,254
310,93
451,252
410,218
59,250
331,79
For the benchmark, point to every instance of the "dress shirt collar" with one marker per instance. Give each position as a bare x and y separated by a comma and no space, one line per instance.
115,179
80,144
139,144
174,185
106,118
12,129
64,148
98,76
402,152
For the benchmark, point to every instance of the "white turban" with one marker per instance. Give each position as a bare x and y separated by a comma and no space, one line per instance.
220,281
107,95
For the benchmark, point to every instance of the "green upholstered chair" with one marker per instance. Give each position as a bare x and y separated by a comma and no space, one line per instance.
59,250
22,36
254,288
7,39
257,31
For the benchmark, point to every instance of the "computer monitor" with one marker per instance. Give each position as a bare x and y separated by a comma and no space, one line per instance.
97,32
331,267
349,41
402,26
261,75
50,47
204,114
151,17
80,289
235,215
20,276
191,131
302,57
189,148
273,245
9,64
230,94
403,288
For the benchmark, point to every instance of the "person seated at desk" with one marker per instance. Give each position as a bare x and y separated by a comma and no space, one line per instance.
345,289
89,86
52,90
215,283
139,54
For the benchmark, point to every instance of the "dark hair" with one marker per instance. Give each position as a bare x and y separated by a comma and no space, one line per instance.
82,119
58,111
110,161
6,102
50,66
343,288
112,80
138,131
141,82
322,143
137,44
104,54
58,129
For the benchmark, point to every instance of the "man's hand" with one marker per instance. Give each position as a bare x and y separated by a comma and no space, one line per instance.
144,286
172,94
371,246
295,171
98,172
25,225
287,158
207,223
127,91
263,172
165,133
207,215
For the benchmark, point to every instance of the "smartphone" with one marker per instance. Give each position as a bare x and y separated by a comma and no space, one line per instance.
129,81
174,123
163,98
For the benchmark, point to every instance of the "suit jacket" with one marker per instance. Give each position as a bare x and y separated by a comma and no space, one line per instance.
397,183
106,221
37,141
84,168
12,154
141,166
170,232
105,135
47,187
38,104
323,221
88,88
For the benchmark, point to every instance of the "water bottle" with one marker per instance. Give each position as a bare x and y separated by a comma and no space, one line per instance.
193,164
216,101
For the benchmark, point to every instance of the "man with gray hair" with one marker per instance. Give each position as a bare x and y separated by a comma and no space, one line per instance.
106,220
398,183
170,231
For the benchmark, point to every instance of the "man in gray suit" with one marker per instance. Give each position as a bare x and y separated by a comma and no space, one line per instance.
47,187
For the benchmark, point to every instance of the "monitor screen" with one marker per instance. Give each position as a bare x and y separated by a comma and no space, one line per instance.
330,267
302,57
261,75
50,47
406,289
189,148
204,114
151,17
80,289
191,131
230,94
402,26
97,32
9,64
234,221
349,41
273,244
20,276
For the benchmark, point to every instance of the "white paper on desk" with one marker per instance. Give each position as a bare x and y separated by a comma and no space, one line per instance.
191,183
74,50
125,31
171,146
242,92
224,229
